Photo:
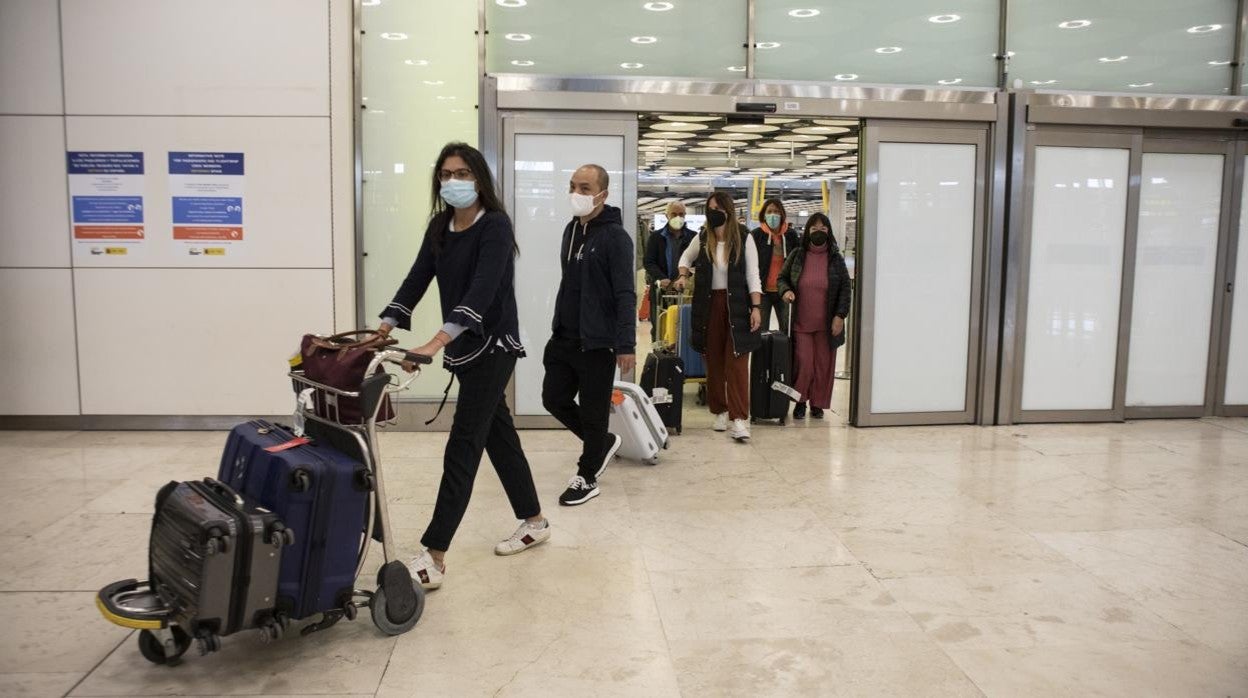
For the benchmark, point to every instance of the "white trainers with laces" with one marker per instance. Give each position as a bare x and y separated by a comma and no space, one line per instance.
740,430
526,536
721,422
426,571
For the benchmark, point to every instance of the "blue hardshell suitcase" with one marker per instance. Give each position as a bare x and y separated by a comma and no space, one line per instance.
320,494
695,364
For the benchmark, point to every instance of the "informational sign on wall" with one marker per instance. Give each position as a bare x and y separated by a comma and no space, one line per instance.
207,191
106,196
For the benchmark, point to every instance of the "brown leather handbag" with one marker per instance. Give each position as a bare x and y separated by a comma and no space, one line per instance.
339,361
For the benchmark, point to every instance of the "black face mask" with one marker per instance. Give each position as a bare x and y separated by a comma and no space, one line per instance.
715,217
819,238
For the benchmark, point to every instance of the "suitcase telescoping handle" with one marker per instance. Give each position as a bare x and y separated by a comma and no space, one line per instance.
224,490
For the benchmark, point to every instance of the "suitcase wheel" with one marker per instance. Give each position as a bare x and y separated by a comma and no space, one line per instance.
396,615
157,652
209,643
271,632
783,421
651,461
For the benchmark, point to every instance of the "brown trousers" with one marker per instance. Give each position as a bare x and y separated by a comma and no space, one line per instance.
727,375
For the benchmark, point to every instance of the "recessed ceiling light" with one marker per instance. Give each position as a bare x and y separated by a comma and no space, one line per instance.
643,39
399,36
688,117
888,49
1219,62
1118,59
370,3
803,14
1204,28
944,19
821,130
517,37
1075,24
416,61
950,82
522,64
751,128
845,76
658,6
632,66
445,98
511,3
737,68
765,45
433,82
1140,84
1043,82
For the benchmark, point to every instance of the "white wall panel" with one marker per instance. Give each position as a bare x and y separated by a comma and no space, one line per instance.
1175,262
196,58
1237,354
34,230
30,57
1078,229
924,256
195,342
38,369
286,201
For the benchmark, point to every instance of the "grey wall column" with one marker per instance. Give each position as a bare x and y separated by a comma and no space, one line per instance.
1237,62
1012,253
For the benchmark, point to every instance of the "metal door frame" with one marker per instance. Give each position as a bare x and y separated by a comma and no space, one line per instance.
877,132
1077,137
1191,144
1226,282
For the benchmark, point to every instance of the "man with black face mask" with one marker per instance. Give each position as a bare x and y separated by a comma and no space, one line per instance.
594,327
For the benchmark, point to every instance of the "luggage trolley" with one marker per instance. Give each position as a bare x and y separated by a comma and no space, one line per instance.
671,334
396,603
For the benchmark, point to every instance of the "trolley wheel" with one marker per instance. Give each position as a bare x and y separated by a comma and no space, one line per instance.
350,611
154,651
398,626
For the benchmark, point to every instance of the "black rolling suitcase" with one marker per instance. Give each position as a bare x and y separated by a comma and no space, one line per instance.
215,559
769,366
665,372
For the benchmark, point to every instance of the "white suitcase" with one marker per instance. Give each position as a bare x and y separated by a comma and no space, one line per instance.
635,419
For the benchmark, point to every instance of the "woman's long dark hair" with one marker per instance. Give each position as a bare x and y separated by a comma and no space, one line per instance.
732,228
486,193
831,237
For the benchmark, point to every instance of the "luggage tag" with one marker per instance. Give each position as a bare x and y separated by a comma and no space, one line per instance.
786,390
662,397
293,443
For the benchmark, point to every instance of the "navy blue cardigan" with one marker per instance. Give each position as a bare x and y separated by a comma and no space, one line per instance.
476,273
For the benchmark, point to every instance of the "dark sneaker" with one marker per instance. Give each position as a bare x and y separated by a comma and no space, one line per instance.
816,413
614,441
799,412
578,492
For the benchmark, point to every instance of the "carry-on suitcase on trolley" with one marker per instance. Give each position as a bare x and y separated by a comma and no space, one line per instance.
214,560
770,369
320,494
663,379
635,419
695,363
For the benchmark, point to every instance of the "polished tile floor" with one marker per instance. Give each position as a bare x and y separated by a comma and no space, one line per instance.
817,560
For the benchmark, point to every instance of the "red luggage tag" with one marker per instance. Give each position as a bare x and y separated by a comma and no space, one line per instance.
293,443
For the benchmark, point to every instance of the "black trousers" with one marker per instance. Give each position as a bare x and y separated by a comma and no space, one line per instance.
770,300
482,423
591,375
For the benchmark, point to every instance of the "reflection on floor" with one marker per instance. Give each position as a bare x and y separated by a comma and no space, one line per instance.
817,560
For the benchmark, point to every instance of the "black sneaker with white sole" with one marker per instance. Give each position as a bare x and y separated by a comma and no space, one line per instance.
579,491
614,441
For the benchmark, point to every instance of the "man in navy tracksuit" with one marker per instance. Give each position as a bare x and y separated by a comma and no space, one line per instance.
594,327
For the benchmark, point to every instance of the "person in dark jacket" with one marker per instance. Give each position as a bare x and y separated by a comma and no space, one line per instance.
470,247
726,319
775,240
594,328
815,280
663,251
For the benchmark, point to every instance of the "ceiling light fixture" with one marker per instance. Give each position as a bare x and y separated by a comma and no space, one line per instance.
370,3
888,49
1043,82
511,3
433,82
522,64
416,61
643,39
632,66
1204,28
737,68
658,6
1219,62
944,19
765,45
950,82
1075,24
399,36
803,14
1140,84
518,37
1106,59
845,76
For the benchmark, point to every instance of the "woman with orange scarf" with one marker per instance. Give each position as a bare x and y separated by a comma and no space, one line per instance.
774,241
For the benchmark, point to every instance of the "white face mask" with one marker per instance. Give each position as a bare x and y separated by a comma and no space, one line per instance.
582,204
677,222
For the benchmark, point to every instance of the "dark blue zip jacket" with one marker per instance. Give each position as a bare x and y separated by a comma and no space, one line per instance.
608,297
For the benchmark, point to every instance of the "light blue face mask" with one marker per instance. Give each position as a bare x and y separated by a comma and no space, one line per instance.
459,194
773,220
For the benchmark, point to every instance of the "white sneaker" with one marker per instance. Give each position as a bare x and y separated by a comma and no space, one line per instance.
525,537
426,571
721,422
740,430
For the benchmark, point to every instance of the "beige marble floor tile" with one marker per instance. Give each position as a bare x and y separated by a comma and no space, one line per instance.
1027,610
80,552
886,498
51,632
35,439
53,685
903,664
700,605
30,505
1192,577
735,540
104,462
963,548
1128,670
1067,502
698,487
